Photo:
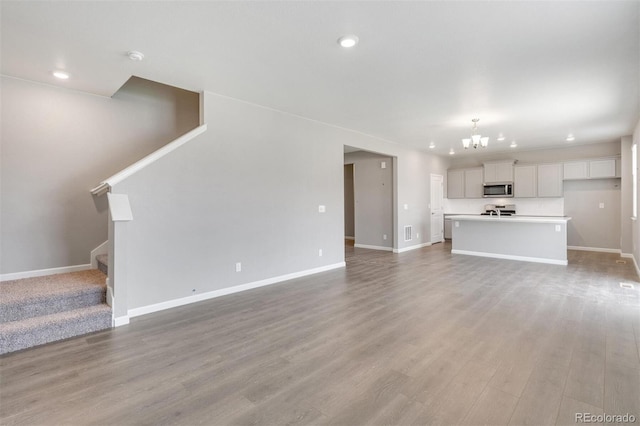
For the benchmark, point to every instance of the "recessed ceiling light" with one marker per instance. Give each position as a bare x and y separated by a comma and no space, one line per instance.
134,55
451,151
62,75
513,144
349,40
500,137
571,138
432,145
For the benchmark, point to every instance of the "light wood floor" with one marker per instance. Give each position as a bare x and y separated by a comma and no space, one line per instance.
422,337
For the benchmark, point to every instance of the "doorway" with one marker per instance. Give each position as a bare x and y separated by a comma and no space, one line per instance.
349,205
370,177
437,208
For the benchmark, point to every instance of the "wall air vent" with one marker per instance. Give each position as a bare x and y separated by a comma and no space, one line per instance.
408,233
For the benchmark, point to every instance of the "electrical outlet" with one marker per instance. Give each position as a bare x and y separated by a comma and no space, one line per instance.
558,228
320,252
406,206
384,236
238,267
601,205
417,236
457,224
322,209
383,165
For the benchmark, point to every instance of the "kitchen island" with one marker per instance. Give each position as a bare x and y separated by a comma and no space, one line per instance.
528,238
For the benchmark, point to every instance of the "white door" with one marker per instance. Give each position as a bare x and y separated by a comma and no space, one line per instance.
437,209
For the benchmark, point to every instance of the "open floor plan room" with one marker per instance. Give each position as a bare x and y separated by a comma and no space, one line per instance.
423,337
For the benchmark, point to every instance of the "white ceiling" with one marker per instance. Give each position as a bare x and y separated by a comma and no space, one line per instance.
534,71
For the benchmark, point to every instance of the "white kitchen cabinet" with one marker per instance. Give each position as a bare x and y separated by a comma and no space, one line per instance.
455,184
465,183
525,182
575,170
549,180
604,168
473,183
498,172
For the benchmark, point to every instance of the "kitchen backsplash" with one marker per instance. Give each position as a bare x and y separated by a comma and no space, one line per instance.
524,206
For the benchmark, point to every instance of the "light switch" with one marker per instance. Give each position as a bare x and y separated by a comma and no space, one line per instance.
457,224
322,209
406,206
558,228
601,205
383,165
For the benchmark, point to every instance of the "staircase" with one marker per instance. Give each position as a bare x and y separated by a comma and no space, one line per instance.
39,310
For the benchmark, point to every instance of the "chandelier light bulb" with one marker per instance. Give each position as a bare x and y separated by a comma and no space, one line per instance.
476,139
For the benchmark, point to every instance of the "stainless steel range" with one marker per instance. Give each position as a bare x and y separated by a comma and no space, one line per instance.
499,210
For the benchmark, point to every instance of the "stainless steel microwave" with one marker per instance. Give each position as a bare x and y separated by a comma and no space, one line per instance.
498,190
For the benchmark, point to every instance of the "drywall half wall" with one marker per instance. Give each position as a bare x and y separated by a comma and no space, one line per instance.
57,144
373,194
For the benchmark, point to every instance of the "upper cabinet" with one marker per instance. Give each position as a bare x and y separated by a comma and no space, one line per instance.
498,172
525,181
591,169
455,184
576,170
464,183
550,180
602,168
473,183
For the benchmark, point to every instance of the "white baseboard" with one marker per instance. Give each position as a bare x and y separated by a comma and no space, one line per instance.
43,272
635,263
349,238
366,246
511,257
229,290
101,249
598,249
417,246
117,322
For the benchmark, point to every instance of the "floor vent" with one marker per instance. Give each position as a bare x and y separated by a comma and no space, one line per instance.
408,230
621,262
628,286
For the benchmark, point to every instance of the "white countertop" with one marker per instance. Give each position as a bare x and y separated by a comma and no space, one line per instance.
515,218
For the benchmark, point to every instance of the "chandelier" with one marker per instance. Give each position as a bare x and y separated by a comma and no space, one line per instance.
475,139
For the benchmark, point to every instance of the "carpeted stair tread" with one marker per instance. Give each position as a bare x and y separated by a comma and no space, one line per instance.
103,263
16,335
31,297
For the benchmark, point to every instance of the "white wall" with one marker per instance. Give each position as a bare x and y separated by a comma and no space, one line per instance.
540,156
57,144
635,226
246,191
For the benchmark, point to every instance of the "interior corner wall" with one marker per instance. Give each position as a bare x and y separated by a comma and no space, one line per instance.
56,145
635,226
626,210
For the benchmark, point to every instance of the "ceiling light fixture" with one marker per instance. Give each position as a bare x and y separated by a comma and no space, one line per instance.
432,145
475,139
513,144
500,137
451,151
571,138
62,75
349,40
134,55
